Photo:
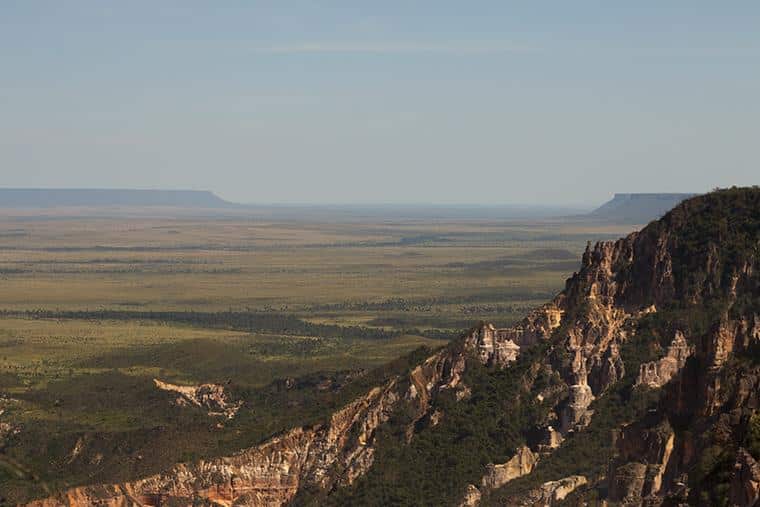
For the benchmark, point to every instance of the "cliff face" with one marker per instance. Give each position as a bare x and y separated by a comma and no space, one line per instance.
522,463
689,285
270,474
656,374
669,315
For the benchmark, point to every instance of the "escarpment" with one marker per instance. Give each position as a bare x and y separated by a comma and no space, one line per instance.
666,318
638,384
270,474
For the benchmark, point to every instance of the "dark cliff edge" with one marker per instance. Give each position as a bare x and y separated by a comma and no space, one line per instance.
638,384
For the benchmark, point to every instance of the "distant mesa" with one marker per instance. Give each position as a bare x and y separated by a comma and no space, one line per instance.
638,208
55,198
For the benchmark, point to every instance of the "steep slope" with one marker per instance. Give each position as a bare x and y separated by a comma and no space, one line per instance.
666,313
669,321
637,384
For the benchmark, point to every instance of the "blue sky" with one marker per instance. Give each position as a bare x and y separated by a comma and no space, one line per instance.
430,102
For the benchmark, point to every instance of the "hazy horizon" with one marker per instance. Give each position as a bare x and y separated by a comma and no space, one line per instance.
368,205
433,103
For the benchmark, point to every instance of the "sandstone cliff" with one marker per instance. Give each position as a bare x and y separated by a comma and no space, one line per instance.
522,463
270,474
691,278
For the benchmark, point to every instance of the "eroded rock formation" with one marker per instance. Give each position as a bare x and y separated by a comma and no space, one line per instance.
656,374
472,496
502,346
209,396
522,463
644,454
549,493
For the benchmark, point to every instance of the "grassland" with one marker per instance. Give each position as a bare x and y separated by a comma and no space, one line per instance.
186,264
78,355
35,352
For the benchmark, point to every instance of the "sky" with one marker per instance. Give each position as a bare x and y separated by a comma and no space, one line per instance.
381,101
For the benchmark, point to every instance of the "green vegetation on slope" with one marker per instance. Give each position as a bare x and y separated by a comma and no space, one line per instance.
440,461
65,382
588,452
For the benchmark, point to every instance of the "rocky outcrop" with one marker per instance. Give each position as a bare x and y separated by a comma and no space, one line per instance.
536,327
522,463
556,491
594,337
493,349
549,493
576,414
209,396
471,497
656,374
551,440
643,455
441,371
499,347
